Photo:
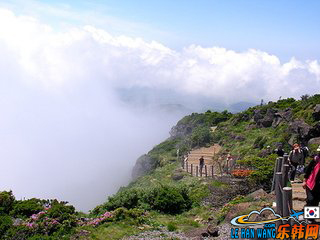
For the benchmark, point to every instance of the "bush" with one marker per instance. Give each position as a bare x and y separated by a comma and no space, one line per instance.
264,169
26,208
5,224
201,136
6,202
61,211
168,199
171,227
135,216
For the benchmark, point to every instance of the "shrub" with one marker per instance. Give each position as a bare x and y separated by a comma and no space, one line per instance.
135,216
6,202
5,224
27,207
61,211
168,199
171,227
201,136
264,169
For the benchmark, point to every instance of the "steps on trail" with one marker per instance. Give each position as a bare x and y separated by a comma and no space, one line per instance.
207,153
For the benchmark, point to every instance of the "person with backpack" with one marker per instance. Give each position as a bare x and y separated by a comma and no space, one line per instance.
296,158
312,181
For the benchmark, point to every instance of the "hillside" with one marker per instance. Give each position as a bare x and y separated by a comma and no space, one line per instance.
164,199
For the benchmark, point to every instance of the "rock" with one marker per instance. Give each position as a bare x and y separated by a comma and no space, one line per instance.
282,116
144,165
17,222
251,126
213,231
300,128
241,207
240,138
314,141
293,139
242,117
205,234
268,118
257,195
314,131
177,176
257,115
316,113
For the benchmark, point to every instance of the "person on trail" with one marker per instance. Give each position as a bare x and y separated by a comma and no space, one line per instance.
279,151
201,164
296,158
312,181
268,150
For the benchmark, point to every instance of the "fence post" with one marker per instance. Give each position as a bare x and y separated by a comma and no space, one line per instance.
279,164
278,188
205,170
285,172
197,170
285,158
287,201
212,171
191,169
187,167
274,174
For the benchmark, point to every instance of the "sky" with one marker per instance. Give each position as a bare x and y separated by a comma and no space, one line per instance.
88,87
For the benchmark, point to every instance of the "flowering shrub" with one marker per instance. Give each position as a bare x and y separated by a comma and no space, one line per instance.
25,208
95,221
241,173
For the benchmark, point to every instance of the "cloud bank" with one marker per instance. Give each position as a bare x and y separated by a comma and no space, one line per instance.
64,130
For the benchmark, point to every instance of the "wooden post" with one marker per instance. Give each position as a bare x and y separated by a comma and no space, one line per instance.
287,201
212,171
205,170
279,164
285,158
278,188
187,166
285,172
197,170
191,169
274,174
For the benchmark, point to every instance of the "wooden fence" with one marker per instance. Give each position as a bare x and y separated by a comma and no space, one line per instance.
282,191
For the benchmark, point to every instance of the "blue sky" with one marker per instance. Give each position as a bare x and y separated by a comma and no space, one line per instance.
285,28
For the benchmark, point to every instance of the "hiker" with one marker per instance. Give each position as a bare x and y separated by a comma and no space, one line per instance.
268,150
201,164
312,181
279,151
296,158
229,163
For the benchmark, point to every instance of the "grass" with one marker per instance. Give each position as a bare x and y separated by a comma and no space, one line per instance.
112,231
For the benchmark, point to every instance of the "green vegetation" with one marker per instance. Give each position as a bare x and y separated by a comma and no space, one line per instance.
163,196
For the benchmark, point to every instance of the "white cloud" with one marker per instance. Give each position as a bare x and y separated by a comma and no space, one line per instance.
56,58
